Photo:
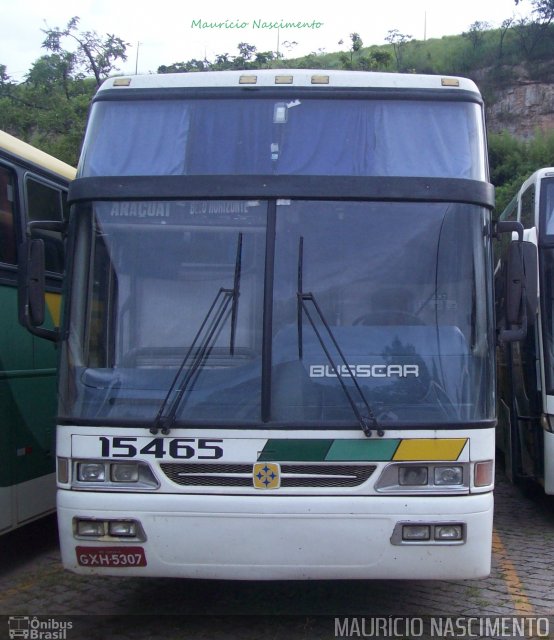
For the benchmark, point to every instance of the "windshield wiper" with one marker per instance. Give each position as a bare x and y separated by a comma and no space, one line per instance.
367,422
210,328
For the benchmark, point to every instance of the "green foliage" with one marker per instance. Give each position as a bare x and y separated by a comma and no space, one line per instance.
249,58
49,109
47,114
512,161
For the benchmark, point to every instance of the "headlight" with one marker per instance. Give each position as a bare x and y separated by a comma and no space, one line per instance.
111,475
427,477
125,472
449,532
87,528
91,472
413,476
122,528
416,532
449,475
429,533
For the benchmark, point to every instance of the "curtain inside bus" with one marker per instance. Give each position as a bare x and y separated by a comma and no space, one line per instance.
294,137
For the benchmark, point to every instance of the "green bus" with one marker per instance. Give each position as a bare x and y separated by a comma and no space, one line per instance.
33,187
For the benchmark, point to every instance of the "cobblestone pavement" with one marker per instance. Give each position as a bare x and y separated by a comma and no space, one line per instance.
33,583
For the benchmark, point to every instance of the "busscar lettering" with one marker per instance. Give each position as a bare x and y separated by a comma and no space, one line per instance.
365,371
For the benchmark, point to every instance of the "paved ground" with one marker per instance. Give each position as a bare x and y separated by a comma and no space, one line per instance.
33,583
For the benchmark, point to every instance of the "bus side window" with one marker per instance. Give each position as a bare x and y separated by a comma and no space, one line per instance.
8,250
46,202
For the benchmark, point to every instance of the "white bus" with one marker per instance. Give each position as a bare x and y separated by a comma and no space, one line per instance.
526,368
277,351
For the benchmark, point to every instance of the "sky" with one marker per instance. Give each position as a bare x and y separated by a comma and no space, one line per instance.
162,32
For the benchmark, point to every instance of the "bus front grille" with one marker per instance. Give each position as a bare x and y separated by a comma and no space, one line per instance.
292,475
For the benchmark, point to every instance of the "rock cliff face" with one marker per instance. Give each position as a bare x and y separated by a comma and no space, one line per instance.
523,107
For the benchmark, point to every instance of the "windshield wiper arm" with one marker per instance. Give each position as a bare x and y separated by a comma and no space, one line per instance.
236,293
367,422
210,326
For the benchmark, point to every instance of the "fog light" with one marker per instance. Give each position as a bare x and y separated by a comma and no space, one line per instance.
92,528
448,476
416,532
484,473
412,476
128,472
123,528
91,472
449,532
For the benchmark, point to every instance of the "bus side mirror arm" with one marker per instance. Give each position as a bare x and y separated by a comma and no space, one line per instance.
32,282
520,303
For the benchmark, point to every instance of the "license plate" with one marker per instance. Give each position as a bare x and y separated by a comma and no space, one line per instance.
120,557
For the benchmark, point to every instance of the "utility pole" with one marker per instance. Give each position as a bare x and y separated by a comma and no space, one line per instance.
136,60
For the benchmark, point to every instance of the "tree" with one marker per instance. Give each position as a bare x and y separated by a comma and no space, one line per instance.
246,51
355,47
4,77
93,54
357,44
52,73
475,33
398,41
504,28
543,10
537,31
249,58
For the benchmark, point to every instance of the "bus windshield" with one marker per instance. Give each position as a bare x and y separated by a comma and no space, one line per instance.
405,313
285,136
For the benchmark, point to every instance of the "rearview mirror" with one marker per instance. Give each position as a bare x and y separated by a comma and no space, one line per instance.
32,289
521,288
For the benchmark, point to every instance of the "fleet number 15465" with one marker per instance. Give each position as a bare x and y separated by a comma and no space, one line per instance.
177,448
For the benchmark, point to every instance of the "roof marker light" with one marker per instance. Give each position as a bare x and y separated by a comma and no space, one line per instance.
283,79
450,82
121,82
248,79
320,79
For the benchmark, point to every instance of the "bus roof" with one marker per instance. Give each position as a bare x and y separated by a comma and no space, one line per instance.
291,77
545,172
32,155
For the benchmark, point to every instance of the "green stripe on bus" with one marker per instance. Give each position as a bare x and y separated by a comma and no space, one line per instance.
377,450
328,450
295,450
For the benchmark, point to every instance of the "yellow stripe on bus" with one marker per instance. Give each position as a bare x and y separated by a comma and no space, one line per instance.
54,304
430,449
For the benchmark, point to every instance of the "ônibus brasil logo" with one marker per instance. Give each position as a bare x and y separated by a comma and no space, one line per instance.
33,628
